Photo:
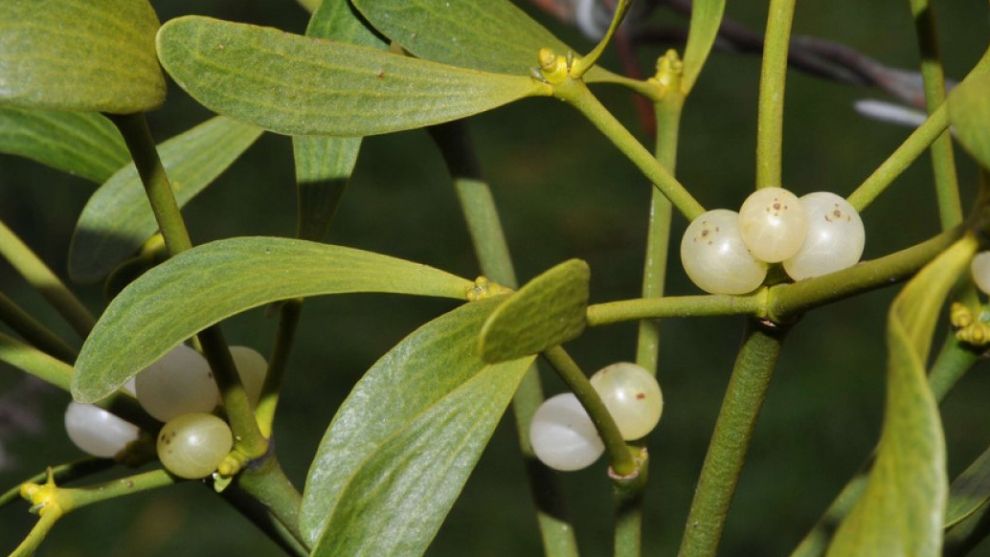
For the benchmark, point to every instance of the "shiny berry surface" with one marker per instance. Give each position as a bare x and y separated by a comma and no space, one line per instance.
773,224
835,238
179,383
632,396
715,257
563,436
193,445
97,431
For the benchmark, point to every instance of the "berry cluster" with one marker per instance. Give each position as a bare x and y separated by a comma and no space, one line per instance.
724,252
562,434
178,390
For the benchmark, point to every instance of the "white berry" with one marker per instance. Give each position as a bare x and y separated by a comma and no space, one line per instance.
179,383
632,396
835,238
715,257
563,436
251,368
980,268
96,431
193,445
773,224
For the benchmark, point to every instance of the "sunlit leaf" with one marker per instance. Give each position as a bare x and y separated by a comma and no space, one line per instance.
901,510
81,143
402,445
211,282
969,112
969,491
117,218
545,312
706,17
80,55
306,86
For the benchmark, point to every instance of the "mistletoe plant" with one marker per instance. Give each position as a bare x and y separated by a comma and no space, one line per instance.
155,384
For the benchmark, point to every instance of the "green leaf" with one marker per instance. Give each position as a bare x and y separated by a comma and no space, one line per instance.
901,510
117,219
547,311
969,491
80,55
34,362
81,143
310,5
402,445
204,285
324,164
706,17
969,113
306,86
488,35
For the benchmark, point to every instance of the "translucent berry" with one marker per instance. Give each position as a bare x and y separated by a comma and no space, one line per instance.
96,431
179,383
980,267
632,396
773,224
835,237
715,257
563,436
193,445
251,367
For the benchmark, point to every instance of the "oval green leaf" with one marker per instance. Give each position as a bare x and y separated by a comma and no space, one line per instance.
306,86
117,219
80,55
969,492
204,285
969,112
84,144
488,35
903,505
402,445
547,311
706,17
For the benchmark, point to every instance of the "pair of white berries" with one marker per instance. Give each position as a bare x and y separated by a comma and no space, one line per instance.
179,390
724,252
563,435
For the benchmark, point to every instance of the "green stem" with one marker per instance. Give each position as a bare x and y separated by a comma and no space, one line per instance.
733,430
628,495
577,93
943,159
288,321
62,473
41,278
258,515
137,136
78,497
37,535
492,250
898,161
619,456
267,483
675,306
584,64
35,362
770,124
34,331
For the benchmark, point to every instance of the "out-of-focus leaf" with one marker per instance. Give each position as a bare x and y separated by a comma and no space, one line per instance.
34,362
324,164
901,511
969,112
117,218
81,143
80,55
488,35
547,311
310,5
211,282
969,491
305,86
402,445
706,17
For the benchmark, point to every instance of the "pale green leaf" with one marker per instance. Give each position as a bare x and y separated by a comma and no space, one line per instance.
324,164
117,218
901,510
34,362
80,55
706,17
211,282
547,311
969,491
306,86
81,143
488,35
401,446
310,5
969,113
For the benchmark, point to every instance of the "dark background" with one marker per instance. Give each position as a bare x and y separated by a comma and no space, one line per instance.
563,192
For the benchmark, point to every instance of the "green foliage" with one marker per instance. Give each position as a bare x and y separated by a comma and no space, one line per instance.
79,55
969,492
547,311
206,284
706,17
404,442
117,218
969,112
304,86
80,143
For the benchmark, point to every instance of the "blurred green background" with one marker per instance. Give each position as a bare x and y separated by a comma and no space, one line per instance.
563,192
